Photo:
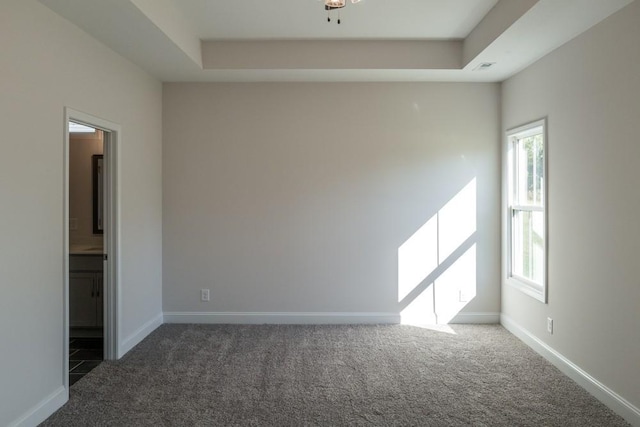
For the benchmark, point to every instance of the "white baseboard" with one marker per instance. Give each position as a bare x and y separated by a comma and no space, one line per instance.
604,394
281,318
305,318
477,318
43,410
138,335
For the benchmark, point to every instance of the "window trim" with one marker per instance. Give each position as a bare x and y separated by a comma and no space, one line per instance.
533,289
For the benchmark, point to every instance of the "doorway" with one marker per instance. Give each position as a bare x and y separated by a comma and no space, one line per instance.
86,249
90,243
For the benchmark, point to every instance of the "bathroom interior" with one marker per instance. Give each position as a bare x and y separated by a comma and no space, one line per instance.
86,275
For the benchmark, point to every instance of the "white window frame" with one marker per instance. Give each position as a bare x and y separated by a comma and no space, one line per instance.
529,287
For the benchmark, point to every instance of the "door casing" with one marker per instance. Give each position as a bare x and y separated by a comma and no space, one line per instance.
112,303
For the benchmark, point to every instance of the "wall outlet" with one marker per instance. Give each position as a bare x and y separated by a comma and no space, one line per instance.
73,224
463,296
550,325
204,295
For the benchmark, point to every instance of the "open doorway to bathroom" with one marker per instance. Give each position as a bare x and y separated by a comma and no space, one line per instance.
86,249
91,244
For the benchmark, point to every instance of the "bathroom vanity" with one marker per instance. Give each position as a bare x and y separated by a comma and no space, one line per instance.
86,290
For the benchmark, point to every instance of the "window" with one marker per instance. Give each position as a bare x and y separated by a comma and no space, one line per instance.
527,213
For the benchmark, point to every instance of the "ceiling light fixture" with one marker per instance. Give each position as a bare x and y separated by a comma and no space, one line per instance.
330,5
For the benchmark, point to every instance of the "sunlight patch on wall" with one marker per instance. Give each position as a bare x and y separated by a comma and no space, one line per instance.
420,309
457,221
417,257
456,287
437,264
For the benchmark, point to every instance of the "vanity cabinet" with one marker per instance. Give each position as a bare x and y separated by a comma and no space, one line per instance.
86,300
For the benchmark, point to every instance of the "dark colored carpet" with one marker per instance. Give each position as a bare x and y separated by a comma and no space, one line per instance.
277,375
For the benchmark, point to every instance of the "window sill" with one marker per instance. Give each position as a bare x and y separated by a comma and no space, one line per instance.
534,291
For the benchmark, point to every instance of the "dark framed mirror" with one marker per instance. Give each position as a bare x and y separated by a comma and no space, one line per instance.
98,189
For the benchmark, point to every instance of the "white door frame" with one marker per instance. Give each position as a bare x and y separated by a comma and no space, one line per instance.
112,237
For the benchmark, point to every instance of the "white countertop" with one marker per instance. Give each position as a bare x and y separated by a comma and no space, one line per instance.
85,250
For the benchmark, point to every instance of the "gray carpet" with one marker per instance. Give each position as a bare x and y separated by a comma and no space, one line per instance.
276,375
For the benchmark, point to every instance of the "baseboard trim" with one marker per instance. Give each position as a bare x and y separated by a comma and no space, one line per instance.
43,410
138,335
477,318
604,394
281,318
312,317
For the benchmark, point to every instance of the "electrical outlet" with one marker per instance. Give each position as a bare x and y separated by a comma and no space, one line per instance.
73,223
204,295
463,296
550,325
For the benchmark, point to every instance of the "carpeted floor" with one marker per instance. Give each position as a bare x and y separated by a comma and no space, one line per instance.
277,375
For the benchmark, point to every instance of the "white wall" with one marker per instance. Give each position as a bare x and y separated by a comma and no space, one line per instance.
590,91
46,64
295,198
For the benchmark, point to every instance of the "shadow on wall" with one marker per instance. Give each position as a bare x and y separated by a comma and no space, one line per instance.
437,264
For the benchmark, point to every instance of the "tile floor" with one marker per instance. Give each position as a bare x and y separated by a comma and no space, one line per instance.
84,355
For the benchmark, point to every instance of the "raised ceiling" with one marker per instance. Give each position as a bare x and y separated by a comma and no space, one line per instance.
306,19
290,40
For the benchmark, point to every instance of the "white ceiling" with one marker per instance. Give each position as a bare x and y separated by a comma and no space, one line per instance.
290,40
307,19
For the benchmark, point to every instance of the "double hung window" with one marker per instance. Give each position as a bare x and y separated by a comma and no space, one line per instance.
527,200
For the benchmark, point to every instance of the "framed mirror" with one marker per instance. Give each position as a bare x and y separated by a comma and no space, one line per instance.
98,187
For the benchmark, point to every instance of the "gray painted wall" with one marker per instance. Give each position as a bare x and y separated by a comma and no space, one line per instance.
45,65
289,198
590,91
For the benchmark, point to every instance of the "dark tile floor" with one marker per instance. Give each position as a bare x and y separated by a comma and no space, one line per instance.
84,355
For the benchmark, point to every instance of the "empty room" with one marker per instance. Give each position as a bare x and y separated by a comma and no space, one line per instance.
319,212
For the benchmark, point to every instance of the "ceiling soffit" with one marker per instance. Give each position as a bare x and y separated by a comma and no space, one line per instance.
158,36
